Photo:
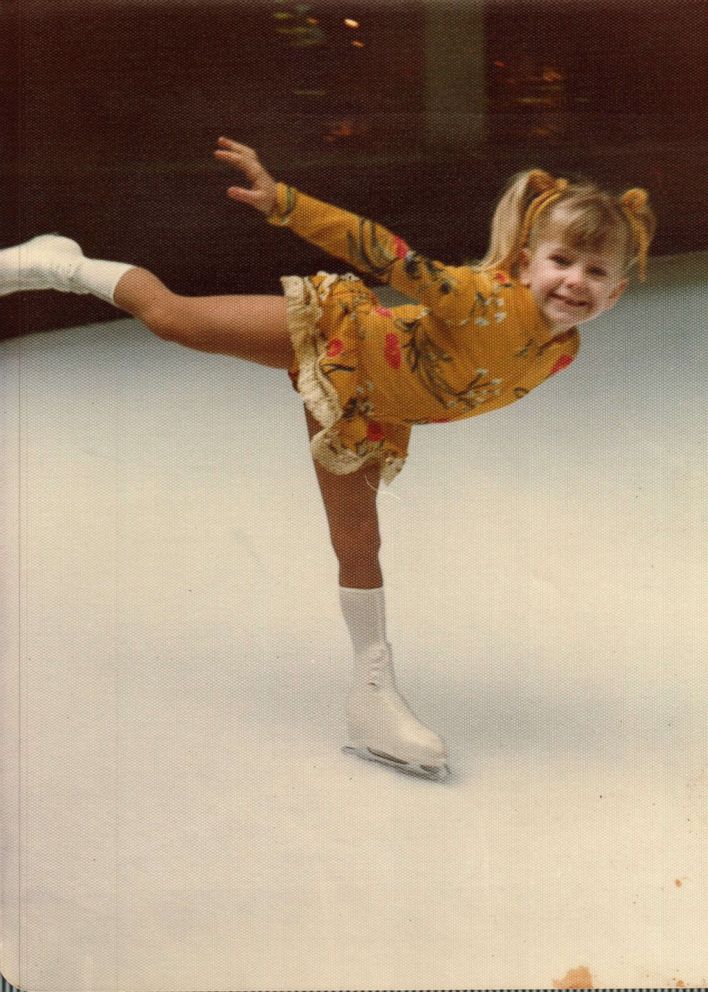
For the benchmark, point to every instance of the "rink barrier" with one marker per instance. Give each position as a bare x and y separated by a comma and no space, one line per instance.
6,987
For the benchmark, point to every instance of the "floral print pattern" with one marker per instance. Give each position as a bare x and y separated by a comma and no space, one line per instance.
472,342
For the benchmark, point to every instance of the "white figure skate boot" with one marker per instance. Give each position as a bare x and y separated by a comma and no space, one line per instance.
381,726
46,262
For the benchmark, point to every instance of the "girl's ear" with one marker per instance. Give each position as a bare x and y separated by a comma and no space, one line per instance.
524,262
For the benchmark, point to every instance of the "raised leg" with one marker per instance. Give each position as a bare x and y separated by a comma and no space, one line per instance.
250,327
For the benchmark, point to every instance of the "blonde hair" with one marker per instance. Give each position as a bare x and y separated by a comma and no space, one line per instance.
581,214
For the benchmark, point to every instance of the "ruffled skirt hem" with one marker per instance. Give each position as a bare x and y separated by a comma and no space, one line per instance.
303,313
303,301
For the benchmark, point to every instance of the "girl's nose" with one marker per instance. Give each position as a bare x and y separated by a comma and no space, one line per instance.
574,276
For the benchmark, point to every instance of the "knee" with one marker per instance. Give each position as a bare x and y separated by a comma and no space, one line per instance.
161,324
164,322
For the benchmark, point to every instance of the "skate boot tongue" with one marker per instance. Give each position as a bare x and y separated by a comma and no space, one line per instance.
379,670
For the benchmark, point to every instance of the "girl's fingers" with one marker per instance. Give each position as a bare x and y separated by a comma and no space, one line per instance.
228,154
248,164
234,145
239,193
230,143
241,157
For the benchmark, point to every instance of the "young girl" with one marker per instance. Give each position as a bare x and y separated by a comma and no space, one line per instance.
477,338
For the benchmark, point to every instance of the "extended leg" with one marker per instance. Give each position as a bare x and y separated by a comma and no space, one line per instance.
249,327
381,727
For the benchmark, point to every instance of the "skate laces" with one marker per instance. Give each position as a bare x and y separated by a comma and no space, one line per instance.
52,260
64,267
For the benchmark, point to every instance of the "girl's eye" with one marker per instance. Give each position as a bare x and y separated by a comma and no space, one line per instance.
559,259
600,273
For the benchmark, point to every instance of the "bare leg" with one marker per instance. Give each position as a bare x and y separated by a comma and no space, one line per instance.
350,504
249,327
380,725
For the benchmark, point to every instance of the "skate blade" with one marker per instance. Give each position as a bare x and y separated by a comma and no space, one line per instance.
435,773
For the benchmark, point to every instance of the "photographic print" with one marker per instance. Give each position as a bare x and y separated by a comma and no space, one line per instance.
352,495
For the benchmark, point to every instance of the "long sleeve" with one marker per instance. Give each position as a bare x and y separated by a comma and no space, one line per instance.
472,342
371,249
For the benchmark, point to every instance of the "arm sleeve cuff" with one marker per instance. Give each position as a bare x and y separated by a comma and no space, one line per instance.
284,205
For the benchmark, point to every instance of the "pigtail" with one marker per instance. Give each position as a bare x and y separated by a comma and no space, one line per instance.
527,193
642,221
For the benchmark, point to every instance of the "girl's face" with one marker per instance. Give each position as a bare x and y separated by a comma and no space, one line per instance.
571,286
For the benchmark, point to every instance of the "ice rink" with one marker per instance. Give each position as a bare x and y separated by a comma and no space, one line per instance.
177,814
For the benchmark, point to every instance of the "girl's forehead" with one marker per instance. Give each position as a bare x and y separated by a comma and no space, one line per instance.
605,251
593,231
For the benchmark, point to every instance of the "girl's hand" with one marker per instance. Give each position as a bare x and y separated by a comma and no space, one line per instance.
262,194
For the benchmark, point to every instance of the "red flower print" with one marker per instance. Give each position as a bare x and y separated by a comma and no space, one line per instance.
501,277
562,363
392,351
384,312
374,431
400,247
334,348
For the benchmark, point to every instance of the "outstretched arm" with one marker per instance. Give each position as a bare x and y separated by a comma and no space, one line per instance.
369,247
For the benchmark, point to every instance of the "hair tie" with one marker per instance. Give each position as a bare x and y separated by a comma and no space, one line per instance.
635,199
547,190
632,203
540,181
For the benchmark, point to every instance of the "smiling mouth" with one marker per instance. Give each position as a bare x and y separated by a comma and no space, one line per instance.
576,304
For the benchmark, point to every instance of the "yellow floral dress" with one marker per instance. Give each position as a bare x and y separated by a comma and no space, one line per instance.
473,342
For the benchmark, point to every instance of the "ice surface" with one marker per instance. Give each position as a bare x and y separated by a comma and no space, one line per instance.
176,811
